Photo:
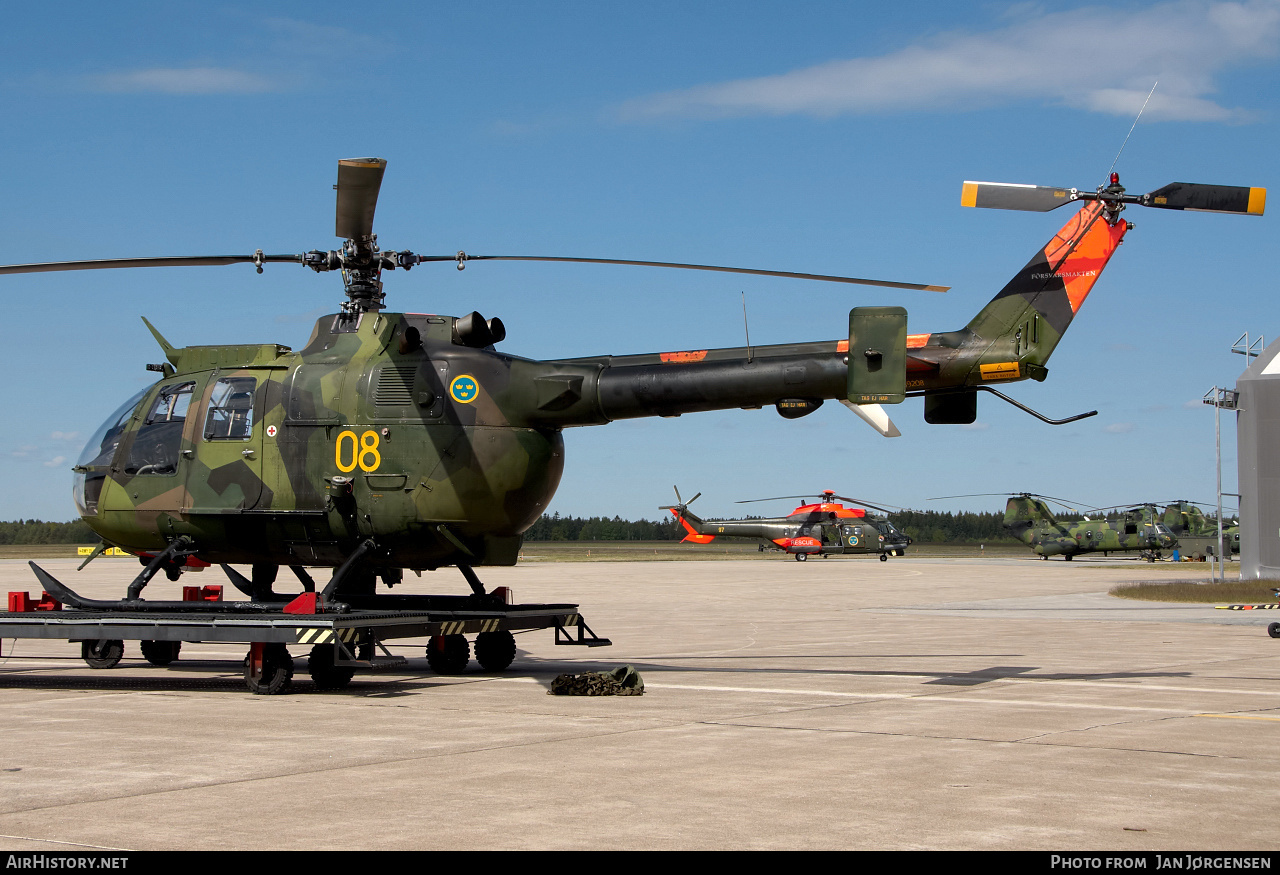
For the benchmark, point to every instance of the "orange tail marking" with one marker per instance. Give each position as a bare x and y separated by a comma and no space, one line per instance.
693,535
1079,266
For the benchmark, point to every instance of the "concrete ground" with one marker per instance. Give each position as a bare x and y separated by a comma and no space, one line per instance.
919,703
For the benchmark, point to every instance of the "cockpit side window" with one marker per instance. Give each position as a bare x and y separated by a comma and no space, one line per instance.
230,414
159,438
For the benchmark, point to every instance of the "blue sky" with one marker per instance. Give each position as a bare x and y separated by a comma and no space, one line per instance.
818,137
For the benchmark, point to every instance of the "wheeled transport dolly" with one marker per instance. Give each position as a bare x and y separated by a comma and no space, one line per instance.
340,643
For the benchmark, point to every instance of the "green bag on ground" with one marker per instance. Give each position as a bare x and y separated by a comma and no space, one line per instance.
624,681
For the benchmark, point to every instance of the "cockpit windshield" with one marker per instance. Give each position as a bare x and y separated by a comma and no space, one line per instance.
98,453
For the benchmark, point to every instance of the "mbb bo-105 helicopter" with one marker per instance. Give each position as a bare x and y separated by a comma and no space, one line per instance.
823,528
393,441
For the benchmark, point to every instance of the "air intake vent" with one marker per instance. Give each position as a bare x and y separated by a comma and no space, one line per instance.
395,386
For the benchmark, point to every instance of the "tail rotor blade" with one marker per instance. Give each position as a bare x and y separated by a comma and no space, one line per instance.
1241,200
359,180
1011,196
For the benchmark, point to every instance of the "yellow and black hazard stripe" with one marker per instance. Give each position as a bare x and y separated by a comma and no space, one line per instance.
458,627
570,620
327,636
1249,607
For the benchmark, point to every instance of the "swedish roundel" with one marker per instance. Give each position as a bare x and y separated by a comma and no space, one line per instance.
464,389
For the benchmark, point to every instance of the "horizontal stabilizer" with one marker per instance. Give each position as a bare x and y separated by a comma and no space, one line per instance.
1208,198
874,416
1010,196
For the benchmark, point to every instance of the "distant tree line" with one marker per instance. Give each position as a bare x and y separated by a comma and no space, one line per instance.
41,532
923,526
964,527
554,527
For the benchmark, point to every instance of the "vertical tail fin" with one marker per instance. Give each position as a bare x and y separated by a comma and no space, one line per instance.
1024,322
691,525
1022,511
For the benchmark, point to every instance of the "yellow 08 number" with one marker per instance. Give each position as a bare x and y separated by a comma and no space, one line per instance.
363,453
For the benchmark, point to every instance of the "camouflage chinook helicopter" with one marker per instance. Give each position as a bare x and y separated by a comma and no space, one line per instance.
393,441
1197,534
823,528
1029,519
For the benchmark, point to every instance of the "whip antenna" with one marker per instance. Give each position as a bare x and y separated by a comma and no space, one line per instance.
1131,127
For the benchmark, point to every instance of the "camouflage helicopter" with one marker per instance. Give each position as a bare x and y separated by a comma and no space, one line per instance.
1028,518
1197,534
823,528
393,440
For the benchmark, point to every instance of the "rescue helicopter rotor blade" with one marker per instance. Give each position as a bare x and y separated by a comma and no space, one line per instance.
359,180
861,503
462,258
813,495
164,261
680,502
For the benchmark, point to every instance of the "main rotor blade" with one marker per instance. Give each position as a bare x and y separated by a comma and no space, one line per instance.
462,257
1011,196
359,180
1208,198
172,261
865,504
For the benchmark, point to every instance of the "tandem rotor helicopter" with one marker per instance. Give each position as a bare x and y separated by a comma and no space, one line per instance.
396,441
1105,530
819,528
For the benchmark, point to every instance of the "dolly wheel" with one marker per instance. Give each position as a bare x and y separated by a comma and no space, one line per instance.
277,671
495,650
160,652
884,557
448,654
324,673
102,654
1274,630
800,557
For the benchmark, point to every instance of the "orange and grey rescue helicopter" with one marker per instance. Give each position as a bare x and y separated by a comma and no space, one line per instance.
823,528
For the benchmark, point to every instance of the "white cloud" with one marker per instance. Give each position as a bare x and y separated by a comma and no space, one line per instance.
975,426
182,81
1118,428
65,435
55,461
1094,58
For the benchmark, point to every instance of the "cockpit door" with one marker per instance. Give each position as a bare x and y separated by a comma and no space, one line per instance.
224,473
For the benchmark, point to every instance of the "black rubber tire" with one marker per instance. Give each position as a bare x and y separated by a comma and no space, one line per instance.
160,652
884,557
448,654
324,674
495,650
102,654
277,672
800,557
1274,630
